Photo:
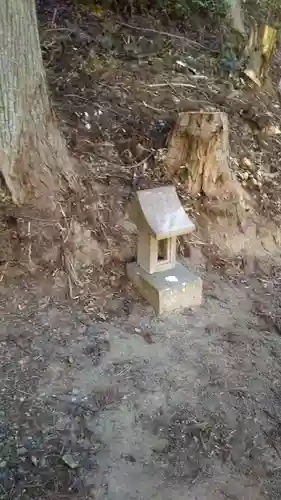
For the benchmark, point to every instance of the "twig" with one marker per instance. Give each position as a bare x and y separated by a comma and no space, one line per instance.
16,389
133,165
199,77
199,243
158,110
69,266
76,403
68,226
68,232
202,442
29,242
172,84
62,211
164,33
200,101
66,254
29,217
4,271
58,29
54,17
77,96
70,288
3,489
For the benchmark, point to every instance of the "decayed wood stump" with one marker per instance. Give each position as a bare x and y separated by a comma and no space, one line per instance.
260,51
199,150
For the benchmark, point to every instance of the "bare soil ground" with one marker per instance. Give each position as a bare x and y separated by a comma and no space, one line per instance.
139,407
99,399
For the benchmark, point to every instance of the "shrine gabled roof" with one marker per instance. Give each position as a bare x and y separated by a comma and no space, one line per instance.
160,212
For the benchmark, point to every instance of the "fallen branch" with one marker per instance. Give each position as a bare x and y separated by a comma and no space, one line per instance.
164,33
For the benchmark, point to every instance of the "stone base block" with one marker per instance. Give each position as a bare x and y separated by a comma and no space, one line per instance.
167,290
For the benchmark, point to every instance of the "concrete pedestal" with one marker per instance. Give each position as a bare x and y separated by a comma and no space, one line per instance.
167,290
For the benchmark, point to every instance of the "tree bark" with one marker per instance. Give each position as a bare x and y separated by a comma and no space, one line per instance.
33,155
199,151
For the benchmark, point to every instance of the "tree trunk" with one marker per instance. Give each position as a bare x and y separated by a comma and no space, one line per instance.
33,155
199,150
237,16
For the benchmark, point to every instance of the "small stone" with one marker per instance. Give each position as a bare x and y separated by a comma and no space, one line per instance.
70,360
101,316
247,162
160,445
69,461
129,458
181,63
34,461
3,464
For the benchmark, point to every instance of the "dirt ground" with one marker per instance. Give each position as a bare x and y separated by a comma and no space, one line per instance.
99,399
186,406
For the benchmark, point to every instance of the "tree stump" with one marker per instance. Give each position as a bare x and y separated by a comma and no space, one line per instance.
260,51
199,150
